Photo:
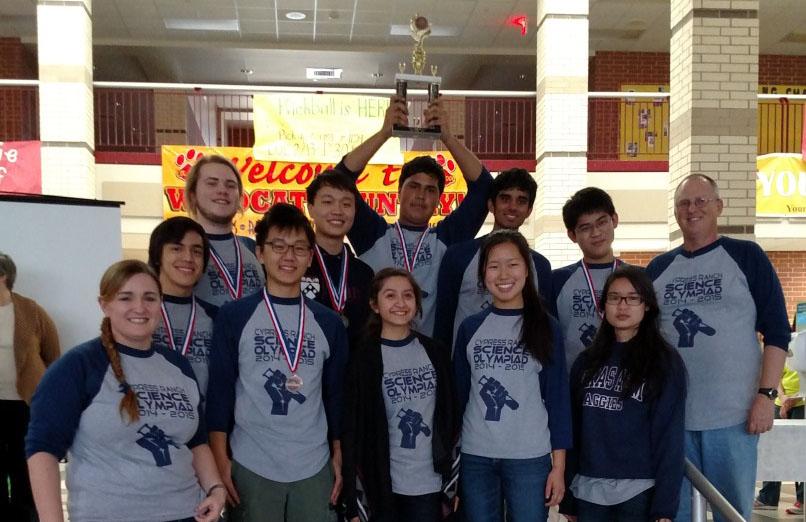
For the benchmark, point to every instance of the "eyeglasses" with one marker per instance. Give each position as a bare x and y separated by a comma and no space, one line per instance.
631,300
589,228
278,246
684,204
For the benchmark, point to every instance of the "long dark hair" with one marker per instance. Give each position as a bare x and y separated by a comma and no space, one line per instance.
647,357
372,328
536,332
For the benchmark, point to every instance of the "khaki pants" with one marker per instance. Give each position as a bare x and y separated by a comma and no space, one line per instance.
264,500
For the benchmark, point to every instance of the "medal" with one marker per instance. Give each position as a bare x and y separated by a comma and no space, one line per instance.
188,330
589,280
294,382
344,320
409,263
337,299
234,283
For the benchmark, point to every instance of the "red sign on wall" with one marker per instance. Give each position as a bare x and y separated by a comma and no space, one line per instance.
20,167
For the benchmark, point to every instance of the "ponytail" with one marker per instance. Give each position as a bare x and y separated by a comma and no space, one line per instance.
128,404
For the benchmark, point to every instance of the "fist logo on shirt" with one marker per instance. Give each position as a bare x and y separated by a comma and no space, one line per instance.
411,424
495,397
280,397
688,324
157,442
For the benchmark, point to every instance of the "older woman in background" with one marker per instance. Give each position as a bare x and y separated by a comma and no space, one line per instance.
28,344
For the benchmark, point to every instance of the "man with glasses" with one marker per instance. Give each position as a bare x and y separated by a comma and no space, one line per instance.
590,220
276,367
716,294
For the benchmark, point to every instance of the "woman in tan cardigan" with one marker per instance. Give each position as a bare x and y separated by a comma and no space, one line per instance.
28,344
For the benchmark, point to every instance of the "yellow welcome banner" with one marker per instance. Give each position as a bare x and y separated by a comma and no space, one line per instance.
318,127
781,185
267,182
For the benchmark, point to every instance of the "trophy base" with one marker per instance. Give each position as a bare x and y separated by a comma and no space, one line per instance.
403,131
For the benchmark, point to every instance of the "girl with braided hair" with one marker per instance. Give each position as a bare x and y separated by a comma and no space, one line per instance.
128,413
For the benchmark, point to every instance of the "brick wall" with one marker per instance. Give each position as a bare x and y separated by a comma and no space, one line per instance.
609,70
790,266
637,258
18,117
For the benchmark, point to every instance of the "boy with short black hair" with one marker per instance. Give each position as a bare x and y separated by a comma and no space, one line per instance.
459,294
590,220
336,277
276,368
410,243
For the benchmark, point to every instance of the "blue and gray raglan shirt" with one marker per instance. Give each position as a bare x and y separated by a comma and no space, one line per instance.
513,406
712,302
198,352
574,306
460,294
212,288
377,243
145,466
279,433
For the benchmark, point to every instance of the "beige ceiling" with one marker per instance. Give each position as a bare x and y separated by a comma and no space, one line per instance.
132,42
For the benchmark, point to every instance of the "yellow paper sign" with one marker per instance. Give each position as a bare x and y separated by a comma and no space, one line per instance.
272,181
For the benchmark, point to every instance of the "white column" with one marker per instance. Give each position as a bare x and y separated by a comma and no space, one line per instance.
64,45
562,121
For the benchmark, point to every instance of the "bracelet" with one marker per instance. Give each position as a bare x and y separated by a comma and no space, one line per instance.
214,487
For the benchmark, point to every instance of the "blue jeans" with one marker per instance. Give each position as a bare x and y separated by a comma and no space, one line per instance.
521,481
635,509
727,457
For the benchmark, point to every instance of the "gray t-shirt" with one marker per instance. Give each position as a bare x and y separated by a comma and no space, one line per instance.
409,387
574,305
505,415
119,470
198,351
212,287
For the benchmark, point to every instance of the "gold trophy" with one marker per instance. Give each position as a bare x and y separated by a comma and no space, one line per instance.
420,30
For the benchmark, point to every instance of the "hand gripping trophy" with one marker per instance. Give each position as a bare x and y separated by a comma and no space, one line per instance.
420,30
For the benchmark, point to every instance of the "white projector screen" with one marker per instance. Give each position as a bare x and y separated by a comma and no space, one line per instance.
61,247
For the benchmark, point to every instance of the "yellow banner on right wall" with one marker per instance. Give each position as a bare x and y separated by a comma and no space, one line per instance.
781,185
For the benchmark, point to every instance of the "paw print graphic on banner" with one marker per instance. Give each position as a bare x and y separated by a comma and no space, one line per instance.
184,162
448,166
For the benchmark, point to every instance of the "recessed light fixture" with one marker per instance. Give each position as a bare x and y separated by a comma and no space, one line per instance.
193,24
295,15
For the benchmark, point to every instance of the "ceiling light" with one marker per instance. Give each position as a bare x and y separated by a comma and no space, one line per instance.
194,24
247,72
295,15
436,30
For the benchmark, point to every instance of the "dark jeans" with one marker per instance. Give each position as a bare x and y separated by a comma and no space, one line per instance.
420,508
770,492
16,500
634,510
520,481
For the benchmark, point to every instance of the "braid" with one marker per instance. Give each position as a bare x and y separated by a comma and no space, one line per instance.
128,403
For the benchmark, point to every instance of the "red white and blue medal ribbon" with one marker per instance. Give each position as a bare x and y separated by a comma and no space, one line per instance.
188,331
291,360
589,280
234,284
409,262
337,299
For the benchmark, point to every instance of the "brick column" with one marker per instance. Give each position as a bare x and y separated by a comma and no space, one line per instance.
64,46
714,79
561,122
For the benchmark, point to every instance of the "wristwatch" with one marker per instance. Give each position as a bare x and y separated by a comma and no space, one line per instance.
770,393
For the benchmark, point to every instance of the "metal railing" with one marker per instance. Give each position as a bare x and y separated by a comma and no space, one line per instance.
701,491
622,127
